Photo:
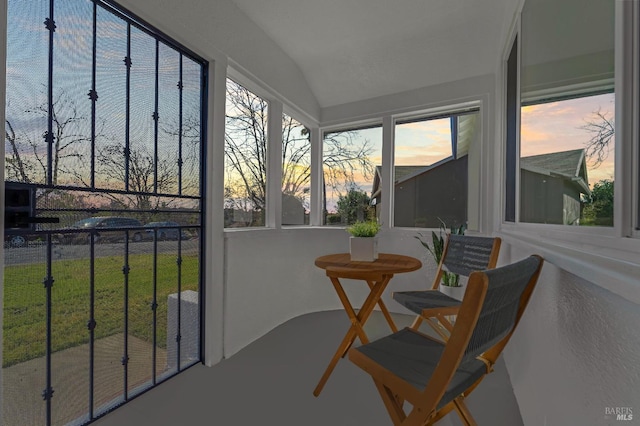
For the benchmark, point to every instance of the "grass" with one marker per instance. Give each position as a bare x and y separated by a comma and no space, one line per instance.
25,302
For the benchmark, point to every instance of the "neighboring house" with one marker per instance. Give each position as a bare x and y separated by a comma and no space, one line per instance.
553,184
426,194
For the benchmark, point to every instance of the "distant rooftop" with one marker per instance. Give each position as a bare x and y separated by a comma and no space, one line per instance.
567,163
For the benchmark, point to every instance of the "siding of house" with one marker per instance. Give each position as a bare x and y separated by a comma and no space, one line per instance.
438,193
544,200
549,199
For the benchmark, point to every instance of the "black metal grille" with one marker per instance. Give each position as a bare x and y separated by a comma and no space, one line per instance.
119,308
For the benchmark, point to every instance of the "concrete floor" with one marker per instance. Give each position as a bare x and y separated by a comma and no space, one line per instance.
270,382
22,383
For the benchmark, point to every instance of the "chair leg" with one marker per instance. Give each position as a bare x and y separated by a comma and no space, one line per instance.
434,324
416,323
463,412
438,328
391,402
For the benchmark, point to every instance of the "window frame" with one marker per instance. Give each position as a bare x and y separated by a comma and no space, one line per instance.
606,256
352,126
453,110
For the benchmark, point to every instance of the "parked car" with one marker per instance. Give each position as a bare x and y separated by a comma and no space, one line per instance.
166,231
104,224
15,240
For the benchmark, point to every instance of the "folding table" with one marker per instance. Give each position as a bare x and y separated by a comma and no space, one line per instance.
377,275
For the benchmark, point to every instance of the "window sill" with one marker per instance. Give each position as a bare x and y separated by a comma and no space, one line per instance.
594,254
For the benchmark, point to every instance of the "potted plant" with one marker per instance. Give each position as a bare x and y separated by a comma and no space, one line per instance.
450,284
363,244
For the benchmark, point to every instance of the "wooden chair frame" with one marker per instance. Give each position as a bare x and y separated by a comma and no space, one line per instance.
440,321
395,391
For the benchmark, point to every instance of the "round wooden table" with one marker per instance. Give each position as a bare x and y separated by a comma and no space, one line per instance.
377,274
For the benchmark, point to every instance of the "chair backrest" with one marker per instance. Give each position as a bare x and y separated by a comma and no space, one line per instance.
464,254
492,307
508,291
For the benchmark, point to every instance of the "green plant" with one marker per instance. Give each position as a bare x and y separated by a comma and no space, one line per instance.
364,229
437,240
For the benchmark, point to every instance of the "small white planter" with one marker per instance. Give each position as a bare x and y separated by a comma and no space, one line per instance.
363,249
455,292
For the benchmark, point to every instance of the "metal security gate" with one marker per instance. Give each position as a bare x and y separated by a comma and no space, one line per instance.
104,182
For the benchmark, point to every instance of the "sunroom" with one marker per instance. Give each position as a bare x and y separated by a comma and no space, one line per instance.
244,137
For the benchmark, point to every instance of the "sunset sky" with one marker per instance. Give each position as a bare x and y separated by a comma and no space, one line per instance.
545,128
557,126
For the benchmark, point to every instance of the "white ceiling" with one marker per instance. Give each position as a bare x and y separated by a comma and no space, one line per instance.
351,50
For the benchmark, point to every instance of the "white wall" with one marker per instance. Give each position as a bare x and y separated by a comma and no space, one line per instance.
576,351
216,28
270,277
445,94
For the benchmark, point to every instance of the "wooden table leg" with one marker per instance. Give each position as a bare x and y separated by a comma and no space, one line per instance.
357,324
384,310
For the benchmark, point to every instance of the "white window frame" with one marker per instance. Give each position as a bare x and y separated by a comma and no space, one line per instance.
473,205
608,257
319,163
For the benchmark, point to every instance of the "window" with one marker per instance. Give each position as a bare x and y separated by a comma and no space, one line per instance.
567,140
567,161
296,172
349,162
245,162
432,158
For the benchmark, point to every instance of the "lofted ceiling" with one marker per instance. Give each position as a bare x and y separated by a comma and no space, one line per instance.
351,50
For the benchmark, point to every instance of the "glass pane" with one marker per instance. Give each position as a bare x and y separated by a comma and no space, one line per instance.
72,60
168,120
567,116
191,127
111,83
24,333
245,160
190,302
142,104
296,172
70,304
566,162
351,164
431,170
26,92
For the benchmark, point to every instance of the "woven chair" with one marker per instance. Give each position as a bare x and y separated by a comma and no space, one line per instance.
461,255
435,376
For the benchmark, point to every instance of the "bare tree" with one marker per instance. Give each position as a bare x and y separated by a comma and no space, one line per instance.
142,179
602,130
27,158
246,152
296,157
188,132
344,158
16,168
246,143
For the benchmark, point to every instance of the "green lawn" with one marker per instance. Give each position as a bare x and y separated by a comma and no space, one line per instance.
25,302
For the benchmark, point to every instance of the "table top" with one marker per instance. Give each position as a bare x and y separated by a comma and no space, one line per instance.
387,264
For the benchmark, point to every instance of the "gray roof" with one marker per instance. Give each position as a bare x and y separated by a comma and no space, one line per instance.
403,171
567,164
